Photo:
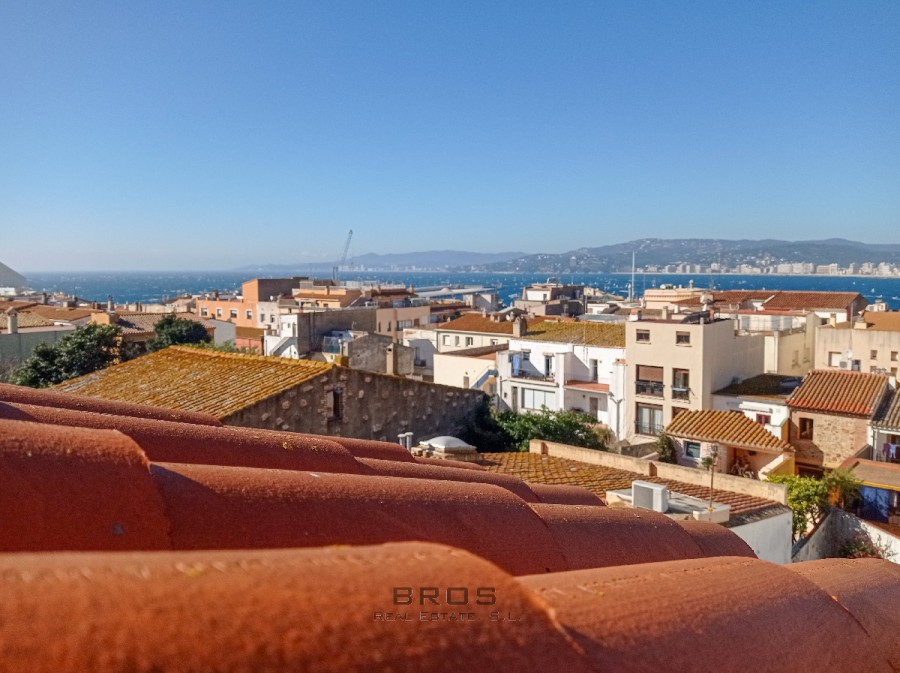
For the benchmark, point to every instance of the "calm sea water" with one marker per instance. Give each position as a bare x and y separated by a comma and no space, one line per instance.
153,287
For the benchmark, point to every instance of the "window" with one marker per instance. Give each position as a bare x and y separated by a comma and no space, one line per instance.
642,336
494,342
470,341
262,318
535,399
232,313
683,338
649,419
389,325
893,356
249,314
692,450
526,356
218,313
649,381
873,355
548,365
335,404
834,359
595,370
893,371
465,381
806,428
272,318
764,419
204,311
446,341
681,384
456,341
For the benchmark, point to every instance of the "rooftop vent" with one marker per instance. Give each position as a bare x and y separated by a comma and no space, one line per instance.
647,495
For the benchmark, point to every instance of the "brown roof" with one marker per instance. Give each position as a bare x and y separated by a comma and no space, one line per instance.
875,473
840,392
540,469
727,427
888,415
476,322
780,299
193,379
763,385
885,321
145,323
26,319
63,313
604,335
591,386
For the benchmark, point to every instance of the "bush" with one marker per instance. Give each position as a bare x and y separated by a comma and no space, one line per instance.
807,498
85,350
173,331
565,427
665,449
843,488
862,545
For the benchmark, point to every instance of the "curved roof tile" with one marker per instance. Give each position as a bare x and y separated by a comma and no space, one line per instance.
75,489
706,616
271,610
60,400
598,537
164,441
869,589
560,494
716,540
728,427
238,508
839,392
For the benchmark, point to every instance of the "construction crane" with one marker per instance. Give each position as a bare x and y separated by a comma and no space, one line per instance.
336,272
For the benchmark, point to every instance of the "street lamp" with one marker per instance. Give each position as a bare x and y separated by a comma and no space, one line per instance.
713,459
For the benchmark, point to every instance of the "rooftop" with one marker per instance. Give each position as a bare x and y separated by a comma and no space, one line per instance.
728,427
145,323
194,379
25,319
603,335
543,469
888,415
779,299
476,322
874,473
765,385
884,321
840,392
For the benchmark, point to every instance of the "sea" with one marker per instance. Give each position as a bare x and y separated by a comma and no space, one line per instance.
150,287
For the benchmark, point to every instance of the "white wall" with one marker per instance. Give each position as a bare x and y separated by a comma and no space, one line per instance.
770,539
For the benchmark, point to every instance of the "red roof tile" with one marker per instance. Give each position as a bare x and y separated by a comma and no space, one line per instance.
840,392
715,540
60,400
272,610
707,616
75,489
728,427
564,495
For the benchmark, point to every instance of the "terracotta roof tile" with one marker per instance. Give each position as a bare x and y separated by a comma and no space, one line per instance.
145,323
25,320
60,400
727,427
475,322
603,335
714,540
884,321
763,385
212,507
840,392
565,495
63,313
197,380
75,489
812,300
536,468
271,610
166,441
660,617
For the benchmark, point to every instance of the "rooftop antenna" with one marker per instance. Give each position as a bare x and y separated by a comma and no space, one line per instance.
631,289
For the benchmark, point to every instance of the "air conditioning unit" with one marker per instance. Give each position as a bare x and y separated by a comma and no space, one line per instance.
845,364
647,495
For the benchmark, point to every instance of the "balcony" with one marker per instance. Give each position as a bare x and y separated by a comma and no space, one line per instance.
648,428
534,377
681,393
649,388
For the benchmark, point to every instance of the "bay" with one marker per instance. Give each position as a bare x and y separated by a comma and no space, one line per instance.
149,287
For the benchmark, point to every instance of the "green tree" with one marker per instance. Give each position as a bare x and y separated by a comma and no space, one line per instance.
565,427
85,350
843,488
665,449
808,499
172,331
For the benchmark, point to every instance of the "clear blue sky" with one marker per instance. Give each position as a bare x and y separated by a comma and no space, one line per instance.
180,135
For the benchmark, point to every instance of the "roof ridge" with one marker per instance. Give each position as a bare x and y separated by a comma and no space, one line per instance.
251,356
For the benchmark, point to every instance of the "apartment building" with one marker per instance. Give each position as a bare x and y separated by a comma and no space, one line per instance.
676,363
478,330
868,344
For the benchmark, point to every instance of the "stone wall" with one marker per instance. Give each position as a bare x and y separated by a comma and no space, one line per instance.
834,439
351,403
370,352
313,326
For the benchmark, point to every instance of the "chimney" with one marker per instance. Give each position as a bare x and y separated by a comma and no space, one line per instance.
832,320
216,295
635,315
44,298
665,312
712,315
520,327
12,321
110,304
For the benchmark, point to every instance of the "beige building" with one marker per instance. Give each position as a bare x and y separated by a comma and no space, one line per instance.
476,330
675,366
472,368
869,344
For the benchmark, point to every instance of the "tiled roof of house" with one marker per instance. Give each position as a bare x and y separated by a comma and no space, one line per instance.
780,299
540,469
63,313
763,385
222,567
476,322
603,335
885,321
726,427
25,319
840,392
888,416
479,352
193,379
145,323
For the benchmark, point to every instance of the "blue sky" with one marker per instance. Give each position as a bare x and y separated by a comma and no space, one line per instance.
204,135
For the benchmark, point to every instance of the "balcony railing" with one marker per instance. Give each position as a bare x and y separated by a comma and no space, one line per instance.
534,377
651,388
648,428
681,393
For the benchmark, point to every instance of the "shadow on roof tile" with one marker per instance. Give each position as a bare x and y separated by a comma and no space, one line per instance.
716,540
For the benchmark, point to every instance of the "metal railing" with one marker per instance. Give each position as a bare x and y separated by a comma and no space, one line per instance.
643,428
651,388
533,377
680,393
